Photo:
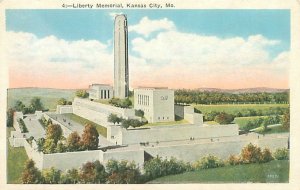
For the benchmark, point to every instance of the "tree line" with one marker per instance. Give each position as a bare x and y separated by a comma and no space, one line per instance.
184,96
210,116
124,172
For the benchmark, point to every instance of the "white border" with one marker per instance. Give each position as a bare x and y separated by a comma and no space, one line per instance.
293,5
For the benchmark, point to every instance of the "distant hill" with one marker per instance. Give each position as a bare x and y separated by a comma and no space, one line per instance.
244,90
49,96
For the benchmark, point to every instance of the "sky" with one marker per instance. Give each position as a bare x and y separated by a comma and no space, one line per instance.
189,49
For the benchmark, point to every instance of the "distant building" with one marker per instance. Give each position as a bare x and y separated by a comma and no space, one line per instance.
100,92
157,103
121,77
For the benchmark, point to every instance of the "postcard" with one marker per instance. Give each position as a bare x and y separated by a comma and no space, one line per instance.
155,94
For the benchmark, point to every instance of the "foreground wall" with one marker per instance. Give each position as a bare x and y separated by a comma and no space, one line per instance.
193,152
175,133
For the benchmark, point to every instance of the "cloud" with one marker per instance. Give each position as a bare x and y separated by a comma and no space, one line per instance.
146,26
57,60
186,60
173,46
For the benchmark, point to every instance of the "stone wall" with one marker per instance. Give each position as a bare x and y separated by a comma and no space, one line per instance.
70,160
61,109
193,152
98,112
33,154
137,156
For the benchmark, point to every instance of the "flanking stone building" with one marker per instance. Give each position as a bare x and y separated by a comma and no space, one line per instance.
100,92
157,103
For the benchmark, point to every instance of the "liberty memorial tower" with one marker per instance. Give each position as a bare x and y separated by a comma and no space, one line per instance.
121,78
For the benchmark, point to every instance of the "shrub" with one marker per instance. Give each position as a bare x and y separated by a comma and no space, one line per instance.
124,103
30,174
22,125
207,162
62,101
281,154
49,146
251,154
234,160
88,173
139,113
113,118
123,172
82,94
51,176
157,167
10,117
70,177
40,143
266,155
224,118
60,148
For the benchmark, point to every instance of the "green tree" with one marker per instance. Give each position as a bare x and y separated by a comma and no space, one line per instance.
10,117
60,147
123,172
51,176
88,173
54,132
209,161
19,106
224,118
251,154
286,120
266,155
49,146
101,174
90,137
36,104
74,142
62,101
82,94
30,174
40,144
125,123
281,154
139,113
113,118
70,177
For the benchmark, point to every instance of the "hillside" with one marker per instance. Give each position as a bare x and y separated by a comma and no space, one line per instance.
48,96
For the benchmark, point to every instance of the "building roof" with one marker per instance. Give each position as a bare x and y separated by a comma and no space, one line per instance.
100,85
151,87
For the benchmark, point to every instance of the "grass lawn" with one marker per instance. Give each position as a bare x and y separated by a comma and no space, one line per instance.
101,130
271,172
233,108
277,129
16,158
211,123
242,121
166,123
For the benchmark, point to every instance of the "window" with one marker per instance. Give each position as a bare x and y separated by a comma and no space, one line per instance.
158,118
